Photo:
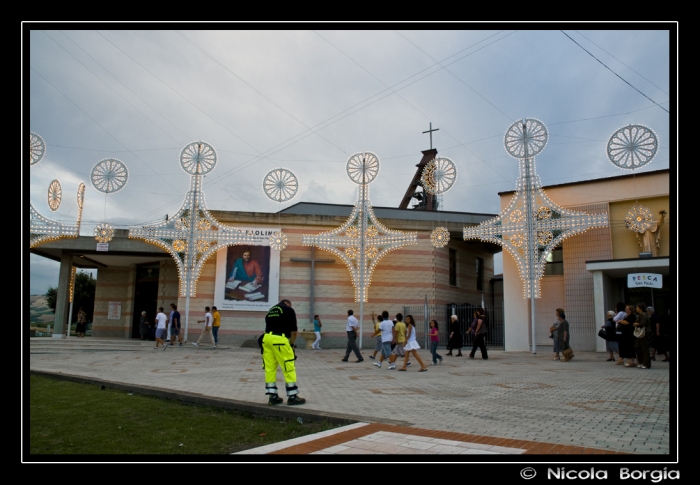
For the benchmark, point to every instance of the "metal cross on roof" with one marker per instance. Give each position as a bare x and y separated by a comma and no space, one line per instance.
532,225
431,134
192,235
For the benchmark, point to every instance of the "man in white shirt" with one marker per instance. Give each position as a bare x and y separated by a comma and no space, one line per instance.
206,330
161,320
386,329
353,330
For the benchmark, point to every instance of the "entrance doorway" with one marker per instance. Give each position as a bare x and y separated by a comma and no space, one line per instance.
145,296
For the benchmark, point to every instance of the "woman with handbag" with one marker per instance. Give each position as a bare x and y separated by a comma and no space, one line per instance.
625,326
480,331
642,330
564,336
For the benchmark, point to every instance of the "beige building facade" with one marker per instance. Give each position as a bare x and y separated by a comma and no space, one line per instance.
134,276
589,273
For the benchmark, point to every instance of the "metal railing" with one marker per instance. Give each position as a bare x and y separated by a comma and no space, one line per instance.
422,314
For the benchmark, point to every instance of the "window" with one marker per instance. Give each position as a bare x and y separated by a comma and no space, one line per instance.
453,267
479,274
555,262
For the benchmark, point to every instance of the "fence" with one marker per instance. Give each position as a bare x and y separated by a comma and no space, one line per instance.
422,314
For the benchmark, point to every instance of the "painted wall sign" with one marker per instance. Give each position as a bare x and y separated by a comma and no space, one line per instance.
649,280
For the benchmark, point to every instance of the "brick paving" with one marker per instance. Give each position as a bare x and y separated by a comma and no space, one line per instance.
513,403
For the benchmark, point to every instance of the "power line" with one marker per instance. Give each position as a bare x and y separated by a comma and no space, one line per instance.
606,67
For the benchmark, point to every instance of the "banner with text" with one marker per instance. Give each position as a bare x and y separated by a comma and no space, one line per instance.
649,280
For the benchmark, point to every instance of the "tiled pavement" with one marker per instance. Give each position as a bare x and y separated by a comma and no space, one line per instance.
513,403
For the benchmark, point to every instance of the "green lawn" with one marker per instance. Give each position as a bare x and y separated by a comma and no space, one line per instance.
76,418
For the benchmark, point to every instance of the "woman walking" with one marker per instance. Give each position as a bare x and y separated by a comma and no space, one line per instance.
480,331
455,341
641,344
434,341
317,330
564,335
411,346
143,326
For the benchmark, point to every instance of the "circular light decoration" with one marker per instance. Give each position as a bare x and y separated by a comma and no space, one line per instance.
37,148
352,232
362,167
639,219
438,175
517,216
104,232
371,252
527,142
280,185
81,195
278,241
351,252
179,245
371,231
544,212
201,245
203,225
517,240
632,146
198,158
182,223
109,175
54,195
440,237
544,238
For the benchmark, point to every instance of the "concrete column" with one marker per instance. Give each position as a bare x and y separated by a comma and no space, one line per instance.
599,307
62,292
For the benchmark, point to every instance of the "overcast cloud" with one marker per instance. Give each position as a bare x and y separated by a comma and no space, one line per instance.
306,100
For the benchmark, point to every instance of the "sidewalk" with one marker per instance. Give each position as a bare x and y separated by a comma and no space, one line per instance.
511,404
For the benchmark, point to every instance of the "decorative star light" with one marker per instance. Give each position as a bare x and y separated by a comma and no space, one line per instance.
280,185
104,232
438,175
532,225
192,235
639,219
440,237
362,240
632,146
42,229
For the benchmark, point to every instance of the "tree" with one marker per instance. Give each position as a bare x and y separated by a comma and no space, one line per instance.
83,295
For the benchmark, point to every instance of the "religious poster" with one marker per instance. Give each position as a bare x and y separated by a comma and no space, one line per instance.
247,276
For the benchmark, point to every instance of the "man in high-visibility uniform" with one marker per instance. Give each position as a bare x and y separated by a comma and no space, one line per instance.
278,350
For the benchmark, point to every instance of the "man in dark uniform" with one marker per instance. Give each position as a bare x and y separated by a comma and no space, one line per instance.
278,350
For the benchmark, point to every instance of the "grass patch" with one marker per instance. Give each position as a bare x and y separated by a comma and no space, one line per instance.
71,418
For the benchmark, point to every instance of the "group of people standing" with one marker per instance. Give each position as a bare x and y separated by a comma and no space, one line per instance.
479,327
637,334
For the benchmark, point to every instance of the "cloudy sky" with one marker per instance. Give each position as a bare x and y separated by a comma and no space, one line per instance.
306,100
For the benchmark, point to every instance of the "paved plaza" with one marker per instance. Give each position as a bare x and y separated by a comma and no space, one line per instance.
512,404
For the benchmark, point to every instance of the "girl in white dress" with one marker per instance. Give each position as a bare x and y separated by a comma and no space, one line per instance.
411,346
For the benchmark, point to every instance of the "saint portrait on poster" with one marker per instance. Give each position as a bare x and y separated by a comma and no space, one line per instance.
247,276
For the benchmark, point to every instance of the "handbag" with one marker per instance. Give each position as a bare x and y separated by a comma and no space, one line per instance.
603,334
568,354
639,332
